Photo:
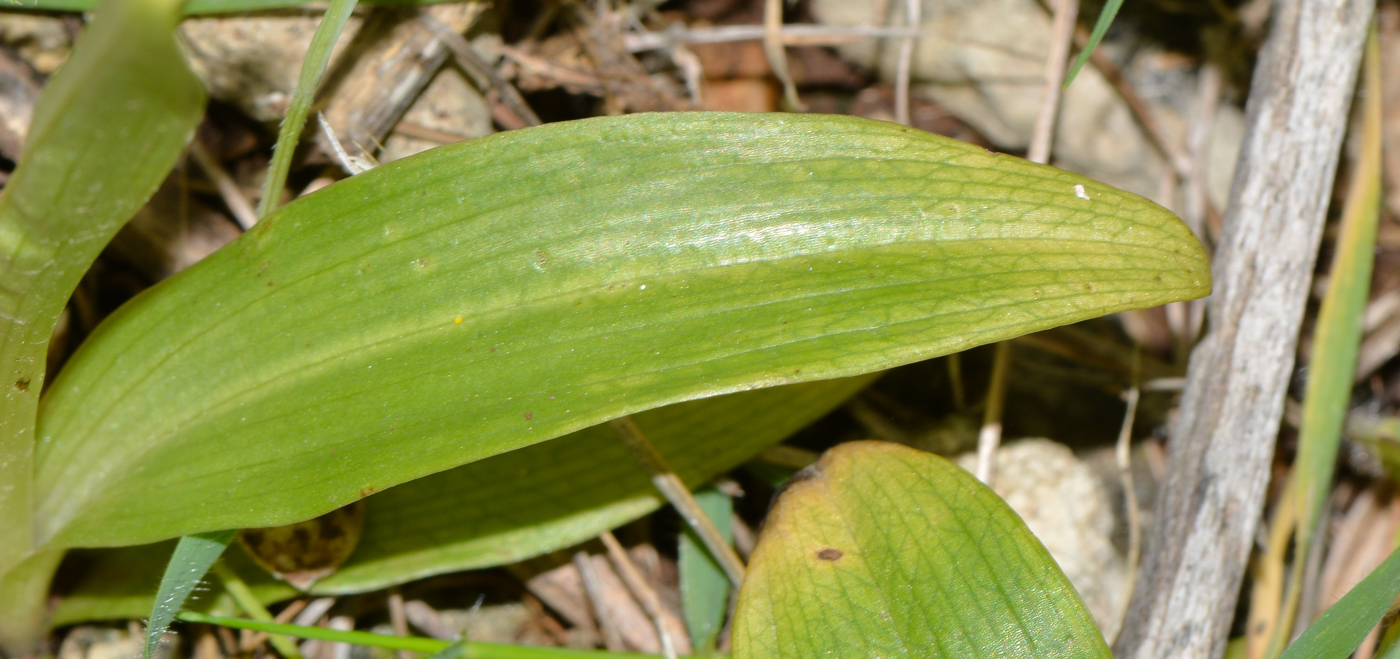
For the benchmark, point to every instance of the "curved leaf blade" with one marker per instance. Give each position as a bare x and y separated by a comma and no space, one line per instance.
554,495
494,294
106,130
506,508
882,550
1110,10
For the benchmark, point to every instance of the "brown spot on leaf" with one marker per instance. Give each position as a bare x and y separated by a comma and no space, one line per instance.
22,384
366,491
529,415
830,554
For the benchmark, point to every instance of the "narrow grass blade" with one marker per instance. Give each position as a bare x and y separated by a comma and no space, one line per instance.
1341,628
493,294
470,649
1336,340
1110,10
188,564
457,650
879,550
249,603
318,56
704,586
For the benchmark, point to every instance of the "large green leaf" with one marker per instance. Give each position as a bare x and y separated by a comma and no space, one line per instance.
489,295
106,131
502,509
557,494
879,550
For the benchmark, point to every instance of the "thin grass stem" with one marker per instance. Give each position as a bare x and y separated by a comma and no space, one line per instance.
312,70
989,438
246,600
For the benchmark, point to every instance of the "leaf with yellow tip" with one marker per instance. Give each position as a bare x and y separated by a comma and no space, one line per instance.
880,550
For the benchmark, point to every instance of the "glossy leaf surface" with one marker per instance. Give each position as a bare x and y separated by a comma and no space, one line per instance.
880,550
496,293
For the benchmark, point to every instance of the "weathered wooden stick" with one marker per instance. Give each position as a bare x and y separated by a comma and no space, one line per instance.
1223,442
392,60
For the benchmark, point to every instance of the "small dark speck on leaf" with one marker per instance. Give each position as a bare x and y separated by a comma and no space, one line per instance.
22,384
366,491
830,554
529,415
1158,279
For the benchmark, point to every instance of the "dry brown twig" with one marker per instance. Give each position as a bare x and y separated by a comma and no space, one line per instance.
593,587
238,205
989,438
1123,455
774,49
482,71
392,59
913,14
788,35
645,594
680,497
